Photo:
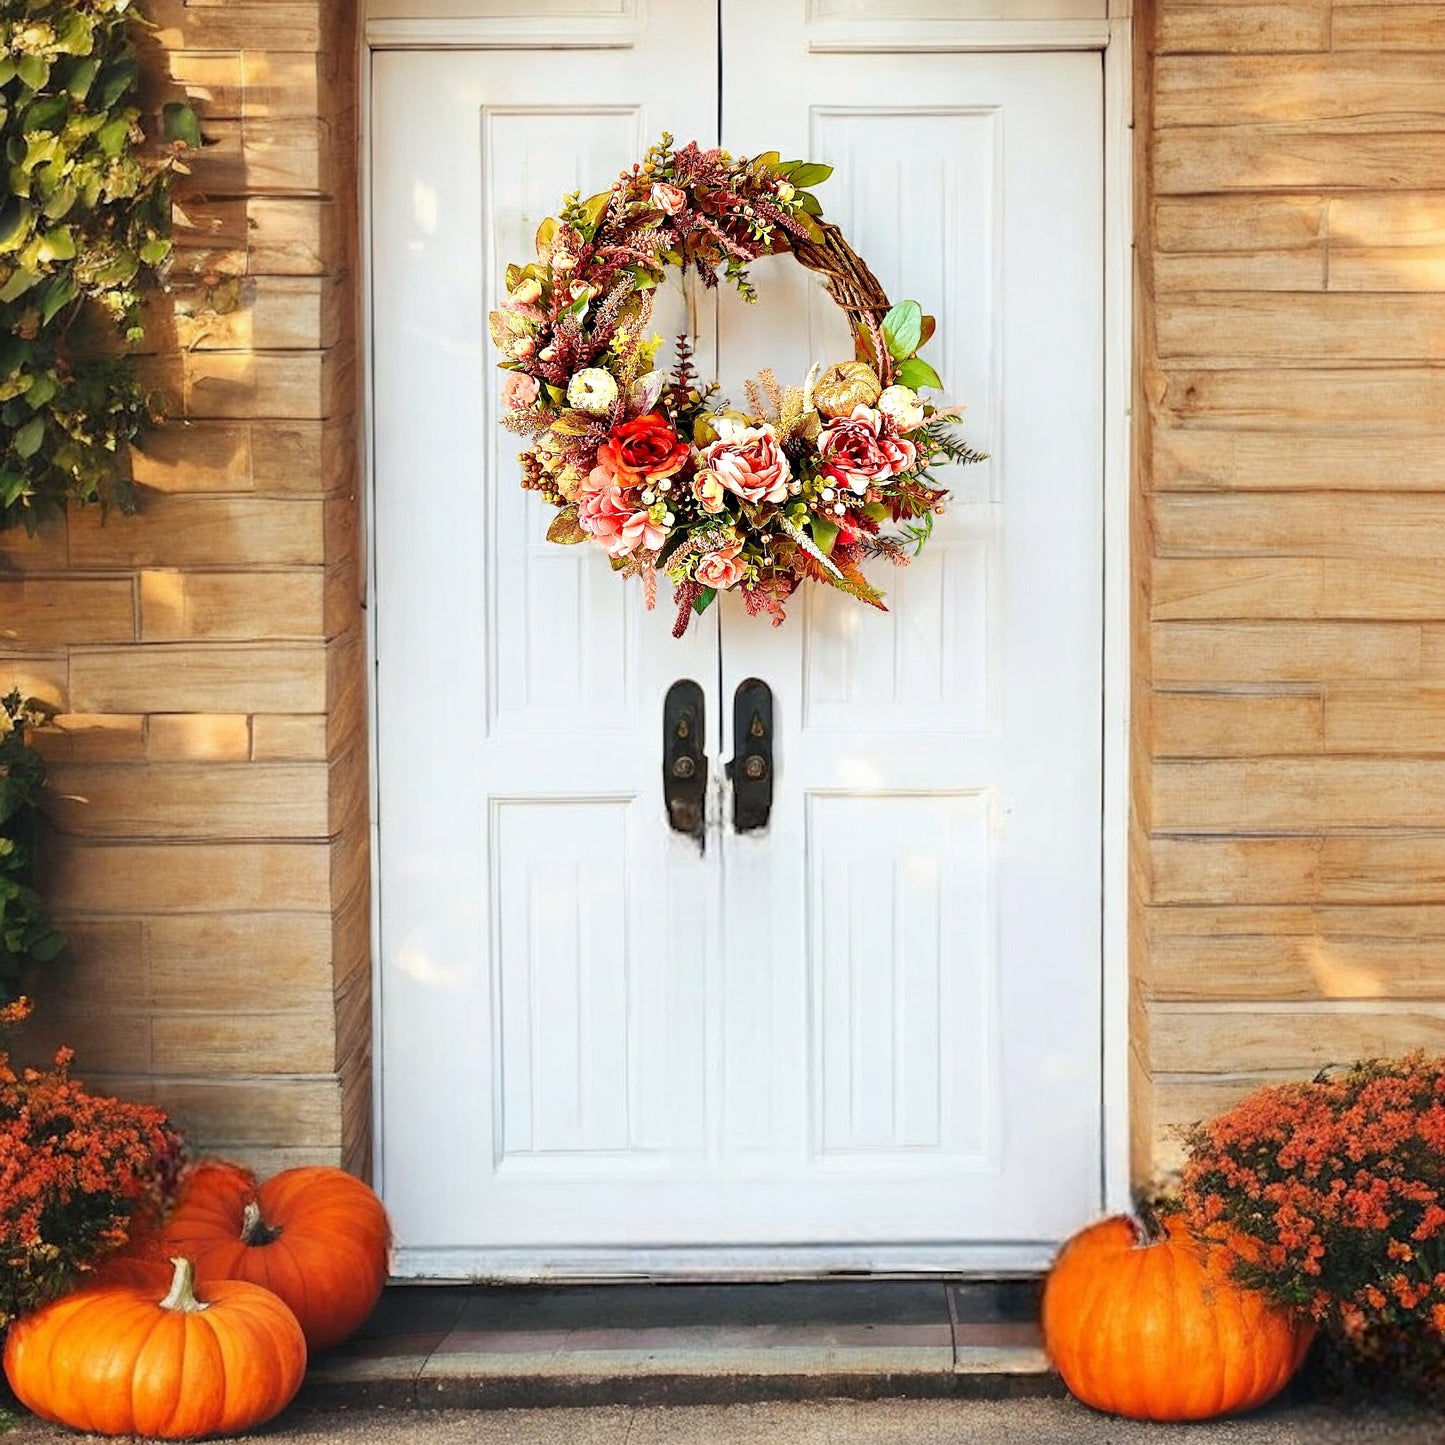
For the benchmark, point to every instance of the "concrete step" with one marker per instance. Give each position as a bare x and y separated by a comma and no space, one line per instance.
496,1346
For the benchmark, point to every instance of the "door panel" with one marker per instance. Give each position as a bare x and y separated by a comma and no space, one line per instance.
873,1026
938,782
545,936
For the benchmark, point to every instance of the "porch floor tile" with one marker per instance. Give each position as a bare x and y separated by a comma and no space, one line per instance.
495,1345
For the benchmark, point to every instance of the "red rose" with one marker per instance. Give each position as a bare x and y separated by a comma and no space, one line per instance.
642,451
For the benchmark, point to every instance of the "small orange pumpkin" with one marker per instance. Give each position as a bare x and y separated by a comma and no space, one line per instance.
317,1236
115,1361
1158,1329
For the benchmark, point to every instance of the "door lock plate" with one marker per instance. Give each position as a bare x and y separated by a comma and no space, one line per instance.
684,761
751,769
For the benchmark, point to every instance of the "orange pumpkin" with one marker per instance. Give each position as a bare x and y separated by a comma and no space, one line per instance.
1156,1328
115,1361
316,1236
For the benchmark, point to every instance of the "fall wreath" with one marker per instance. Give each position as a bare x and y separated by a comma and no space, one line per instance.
655,467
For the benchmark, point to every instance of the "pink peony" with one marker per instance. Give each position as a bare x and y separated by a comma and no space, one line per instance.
520,391
749,462
603,511
606,514
723,568
668,198
640,531
863,448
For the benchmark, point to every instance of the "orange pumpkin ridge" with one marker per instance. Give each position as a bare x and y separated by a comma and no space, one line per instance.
117,1361
316,1236
1157,1328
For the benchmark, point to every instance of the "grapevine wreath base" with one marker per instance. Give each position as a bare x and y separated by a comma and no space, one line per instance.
655,467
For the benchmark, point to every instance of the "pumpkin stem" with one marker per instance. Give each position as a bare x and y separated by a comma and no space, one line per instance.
254,1229
182,1294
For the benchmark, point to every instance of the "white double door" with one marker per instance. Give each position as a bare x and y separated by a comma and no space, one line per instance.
869,1034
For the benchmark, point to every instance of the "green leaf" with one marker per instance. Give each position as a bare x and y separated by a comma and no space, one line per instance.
916,372
112,136
115,82
704,600
21,280
33,70
155,250
180,125
41,389
545,233
903,329
824,534
809,174
594,206
82,77
29,437
7,69
15,218
768,161
59,202
58,244
59,292
809,204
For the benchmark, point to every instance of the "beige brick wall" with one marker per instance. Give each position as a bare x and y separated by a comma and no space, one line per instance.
1290,698
210,781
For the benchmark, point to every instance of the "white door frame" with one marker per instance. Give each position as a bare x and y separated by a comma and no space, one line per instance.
516,24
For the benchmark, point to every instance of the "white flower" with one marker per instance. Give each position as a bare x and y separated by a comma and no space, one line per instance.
901,403
592,391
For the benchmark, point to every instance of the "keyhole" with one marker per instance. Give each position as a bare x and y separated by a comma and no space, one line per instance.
755,767
684,767
684,729
756,728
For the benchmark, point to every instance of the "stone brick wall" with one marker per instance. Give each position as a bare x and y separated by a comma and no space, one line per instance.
210,779
1290,732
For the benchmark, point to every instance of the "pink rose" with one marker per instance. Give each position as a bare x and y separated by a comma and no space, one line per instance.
668,198
723,568
707,486
749,462
520,391
864,448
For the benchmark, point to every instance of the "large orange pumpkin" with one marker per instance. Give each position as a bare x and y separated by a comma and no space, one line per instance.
116,1361
1157,1328
316,1236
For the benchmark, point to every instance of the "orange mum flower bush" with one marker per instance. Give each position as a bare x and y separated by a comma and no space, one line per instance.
1340,1182
75,1169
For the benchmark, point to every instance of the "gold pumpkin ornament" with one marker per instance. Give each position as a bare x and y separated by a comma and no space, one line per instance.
844,386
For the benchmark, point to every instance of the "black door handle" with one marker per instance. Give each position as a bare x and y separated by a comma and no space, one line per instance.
684,761
751,769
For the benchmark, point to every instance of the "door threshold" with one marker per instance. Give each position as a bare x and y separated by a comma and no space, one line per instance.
513,1346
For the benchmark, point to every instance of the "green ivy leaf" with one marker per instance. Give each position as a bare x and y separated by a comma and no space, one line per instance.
903,329
15,218
82,77
704,600
916,372
33,70
29,437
